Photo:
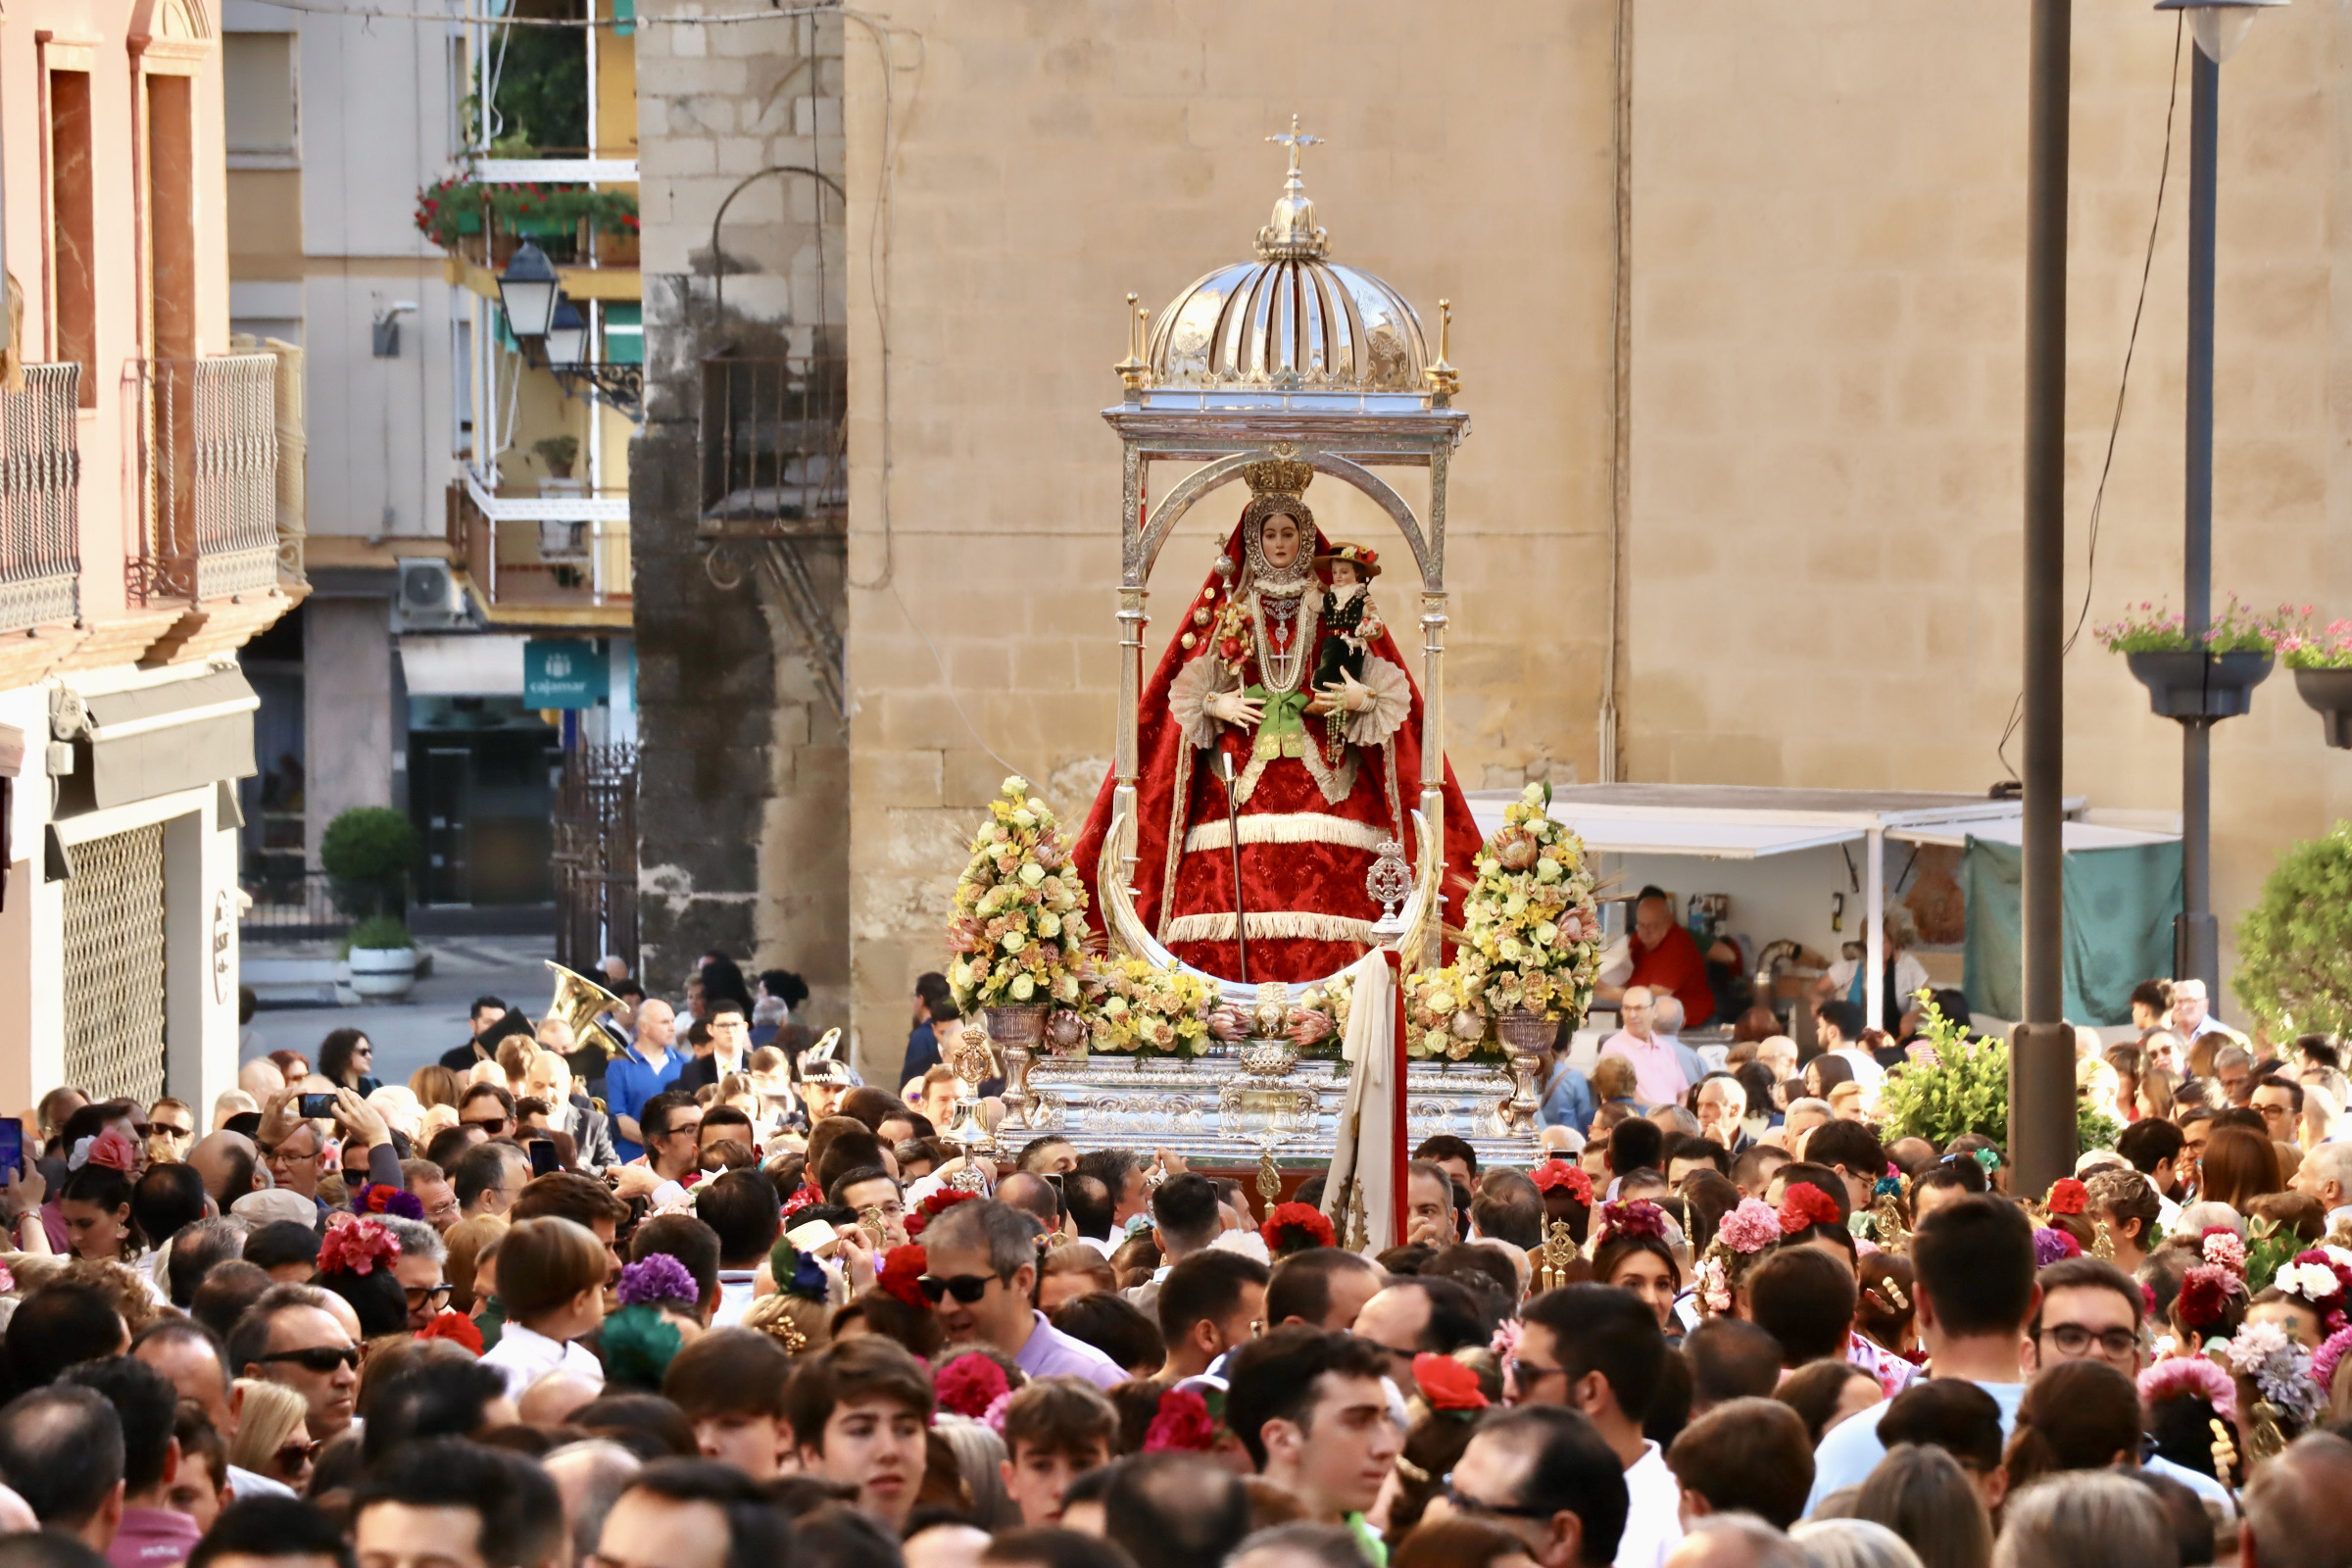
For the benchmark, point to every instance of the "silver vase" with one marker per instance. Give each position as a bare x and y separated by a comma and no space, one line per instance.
1018,1031
1526,1036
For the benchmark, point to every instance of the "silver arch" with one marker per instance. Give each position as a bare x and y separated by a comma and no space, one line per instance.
1163,519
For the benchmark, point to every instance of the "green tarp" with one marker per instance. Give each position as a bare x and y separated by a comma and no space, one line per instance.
2119,905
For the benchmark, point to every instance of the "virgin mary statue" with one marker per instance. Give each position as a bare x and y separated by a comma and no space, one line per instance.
1321,774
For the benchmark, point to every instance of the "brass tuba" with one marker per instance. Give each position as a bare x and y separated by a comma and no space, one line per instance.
580,1002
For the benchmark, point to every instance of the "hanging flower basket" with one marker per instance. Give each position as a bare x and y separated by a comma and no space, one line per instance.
2329,692
2190,683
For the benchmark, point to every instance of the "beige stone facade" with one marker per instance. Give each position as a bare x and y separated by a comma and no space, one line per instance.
1814,314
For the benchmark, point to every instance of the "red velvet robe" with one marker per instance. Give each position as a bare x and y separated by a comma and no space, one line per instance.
1305,892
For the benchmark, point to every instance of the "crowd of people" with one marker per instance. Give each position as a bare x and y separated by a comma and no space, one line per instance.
713,1303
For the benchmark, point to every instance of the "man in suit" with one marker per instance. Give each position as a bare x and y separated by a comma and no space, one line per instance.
730,1045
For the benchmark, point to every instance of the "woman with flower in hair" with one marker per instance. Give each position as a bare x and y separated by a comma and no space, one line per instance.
1743,1236
1630,1252
357,1261
2184,1395
1295,1228
2211,1305
96,1200
1452,1395
659,1316
1567,1192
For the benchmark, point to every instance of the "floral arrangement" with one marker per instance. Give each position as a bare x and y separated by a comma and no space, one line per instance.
1557,1175
1804,1205
1332,998
1297,1228
1637,1217
1447,1384
2067,1195
1136,1007
1531,935
1019,930
798,1273
2182,1377
358,1249
2331,649
900,1276
455,1327
2279,1369
2320,1276
970,1383
110,1149
2152,628
1183,1423
1441,1015
377,1199
656,1278
938,1203
450,208
2053,1247
1960,1085
1742,1236
2206,1294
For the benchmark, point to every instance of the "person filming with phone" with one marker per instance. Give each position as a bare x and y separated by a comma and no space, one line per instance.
293,1144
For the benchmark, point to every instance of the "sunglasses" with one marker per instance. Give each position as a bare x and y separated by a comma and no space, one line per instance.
294,1455
1473,1508
965,1287
419,1294
319,1358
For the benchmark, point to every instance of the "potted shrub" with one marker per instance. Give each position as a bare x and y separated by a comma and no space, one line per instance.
367,852
383,959
2209,678
559,452
2322,666
2294,946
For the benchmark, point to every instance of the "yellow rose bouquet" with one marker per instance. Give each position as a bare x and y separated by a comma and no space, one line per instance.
1139,1008
1019,930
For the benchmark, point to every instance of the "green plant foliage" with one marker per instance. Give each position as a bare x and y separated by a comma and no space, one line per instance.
446,206
542,92
2294,946
1960,1085
367,852
381,931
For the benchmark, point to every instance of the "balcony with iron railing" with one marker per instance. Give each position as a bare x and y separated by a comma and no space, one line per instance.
560,549
41,490
773,439
206,523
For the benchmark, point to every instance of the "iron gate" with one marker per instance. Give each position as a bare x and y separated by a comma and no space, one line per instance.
114,966
595,858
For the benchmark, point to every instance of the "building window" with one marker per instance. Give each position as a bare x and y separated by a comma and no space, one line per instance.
73,231
172,215
257,71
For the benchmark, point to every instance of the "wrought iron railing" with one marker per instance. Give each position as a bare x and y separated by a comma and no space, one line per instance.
208,478
774,442
290,902
596,856
40,498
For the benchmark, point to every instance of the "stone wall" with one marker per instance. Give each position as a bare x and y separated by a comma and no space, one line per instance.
743,837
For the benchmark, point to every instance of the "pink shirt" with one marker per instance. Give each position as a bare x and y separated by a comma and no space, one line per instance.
1658,1077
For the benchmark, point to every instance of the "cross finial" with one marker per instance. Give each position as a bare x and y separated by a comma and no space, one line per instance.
1296,140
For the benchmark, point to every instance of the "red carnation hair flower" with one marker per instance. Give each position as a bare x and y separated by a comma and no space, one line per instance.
1297,1228
455,1327
357,1247
2205,1294
1447,1383
1554,1175
936,1204
2067,1197
1804,1205
1182,1423
902,1275
970,1383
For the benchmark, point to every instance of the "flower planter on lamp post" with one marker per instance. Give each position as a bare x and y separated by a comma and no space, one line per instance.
2329,692
2192,683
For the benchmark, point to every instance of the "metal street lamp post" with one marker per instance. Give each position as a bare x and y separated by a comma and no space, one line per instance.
2219,27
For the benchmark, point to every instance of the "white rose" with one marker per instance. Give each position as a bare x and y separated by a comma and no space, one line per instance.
961,975
1023,988
1025,818
1033,875
1014,941
1548,869
1015,785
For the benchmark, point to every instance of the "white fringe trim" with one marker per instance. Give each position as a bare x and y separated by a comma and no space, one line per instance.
1287,827
1273,925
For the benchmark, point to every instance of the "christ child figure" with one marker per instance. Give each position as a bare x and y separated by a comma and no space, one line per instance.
1350,624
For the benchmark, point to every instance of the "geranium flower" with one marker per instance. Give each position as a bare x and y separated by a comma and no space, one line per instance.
970,1383
1447,1384
902,1275
936,1204
1297,1228
1181,1423
455,1327
2067,1197
1804,1205
377,1199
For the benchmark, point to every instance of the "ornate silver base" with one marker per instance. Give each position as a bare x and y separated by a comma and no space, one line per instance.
1161,1103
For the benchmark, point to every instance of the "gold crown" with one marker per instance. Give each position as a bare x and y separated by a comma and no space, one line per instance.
1279,476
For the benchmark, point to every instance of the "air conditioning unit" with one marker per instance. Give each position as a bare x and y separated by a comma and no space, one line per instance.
431,597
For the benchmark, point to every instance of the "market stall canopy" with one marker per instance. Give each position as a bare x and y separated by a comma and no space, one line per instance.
1747,822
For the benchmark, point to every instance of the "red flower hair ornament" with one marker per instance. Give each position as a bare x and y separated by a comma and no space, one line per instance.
902,1276
971,1383
936,1204
1639,1217
1804,1205
1297,1228
455,1327
1557,1175
1182,1423
357,1247
2205,1294
2067,1197
1447,1383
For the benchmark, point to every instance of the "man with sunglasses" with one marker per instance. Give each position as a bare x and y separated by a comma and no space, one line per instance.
294,1149
1548,1476
981,1278
292,1336
171,1130
1599,1350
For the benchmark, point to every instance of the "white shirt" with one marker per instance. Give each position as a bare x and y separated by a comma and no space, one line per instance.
1910,978
734,1297
523,1356
1653,1519
1867,1071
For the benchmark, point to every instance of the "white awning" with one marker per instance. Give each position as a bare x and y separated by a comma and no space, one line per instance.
2012,830
464,665
1707,837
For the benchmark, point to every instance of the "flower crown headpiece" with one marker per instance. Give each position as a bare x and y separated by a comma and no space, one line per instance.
1634,1217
